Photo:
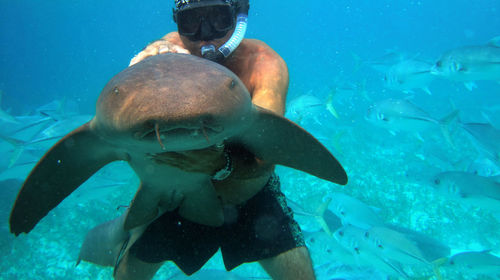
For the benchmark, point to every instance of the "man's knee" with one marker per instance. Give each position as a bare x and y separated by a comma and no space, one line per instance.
292,264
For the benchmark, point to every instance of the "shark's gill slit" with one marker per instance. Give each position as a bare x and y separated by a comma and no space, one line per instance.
157,131
205,134
144,134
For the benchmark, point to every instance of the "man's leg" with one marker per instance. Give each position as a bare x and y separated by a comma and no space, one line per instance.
131,268
293,264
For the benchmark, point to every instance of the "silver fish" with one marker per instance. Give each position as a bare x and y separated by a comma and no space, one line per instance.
431,248
484,167
470,63
384,62
394,245
400,115
326,220
352,211
305,107
487,136
354,240
482,262
472,189
408,75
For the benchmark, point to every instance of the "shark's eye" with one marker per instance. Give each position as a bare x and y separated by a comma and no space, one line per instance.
341,233
357,250
437,181
439,63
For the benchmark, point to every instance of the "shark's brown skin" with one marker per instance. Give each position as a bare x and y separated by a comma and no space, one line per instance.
187,102
265,75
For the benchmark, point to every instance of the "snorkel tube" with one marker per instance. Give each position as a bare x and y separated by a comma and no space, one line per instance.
209,52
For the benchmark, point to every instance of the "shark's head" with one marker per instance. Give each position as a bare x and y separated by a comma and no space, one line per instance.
173,102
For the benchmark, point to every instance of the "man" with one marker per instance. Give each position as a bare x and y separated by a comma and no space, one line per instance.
258,224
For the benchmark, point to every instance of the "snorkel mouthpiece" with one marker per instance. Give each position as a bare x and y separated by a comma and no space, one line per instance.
209,52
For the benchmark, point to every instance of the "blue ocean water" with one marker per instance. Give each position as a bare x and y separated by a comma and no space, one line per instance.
68,50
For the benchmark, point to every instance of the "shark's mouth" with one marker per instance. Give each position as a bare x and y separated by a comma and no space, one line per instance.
162,133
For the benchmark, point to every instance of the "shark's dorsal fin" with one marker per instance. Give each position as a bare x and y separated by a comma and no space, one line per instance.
279,141
68,164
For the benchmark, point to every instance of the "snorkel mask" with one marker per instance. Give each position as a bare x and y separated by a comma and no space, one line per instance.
205,20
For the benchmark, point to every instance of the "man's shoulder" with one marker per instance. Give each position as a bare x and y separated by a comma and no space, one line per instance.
255,47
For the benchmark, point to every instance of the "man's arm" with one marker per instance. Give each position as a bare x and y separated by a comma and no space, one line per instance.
270,81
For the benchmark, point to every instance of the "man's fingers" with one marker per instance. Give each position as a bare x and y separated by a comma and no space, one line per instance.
141,56
171,48
134,60
155,48
181,50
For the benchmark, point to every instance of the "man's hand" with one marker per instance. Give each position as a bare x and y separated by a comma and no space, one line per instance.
207,161
157,47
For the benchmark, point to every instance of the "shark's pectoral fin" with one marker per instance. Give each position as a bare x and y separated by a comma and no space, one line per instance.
203,206
104,243
70,162
280,141
144,207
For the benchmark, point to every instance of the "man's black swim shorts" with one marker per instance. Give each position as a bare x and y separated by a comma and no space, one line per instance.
261,228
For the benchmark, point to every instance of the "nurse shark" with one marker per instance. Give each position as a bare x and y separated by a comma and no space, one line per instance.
167,103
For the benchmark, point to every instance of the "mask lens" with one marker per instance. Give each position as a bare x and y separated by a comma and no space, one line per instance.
219,17
188,22
222,18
